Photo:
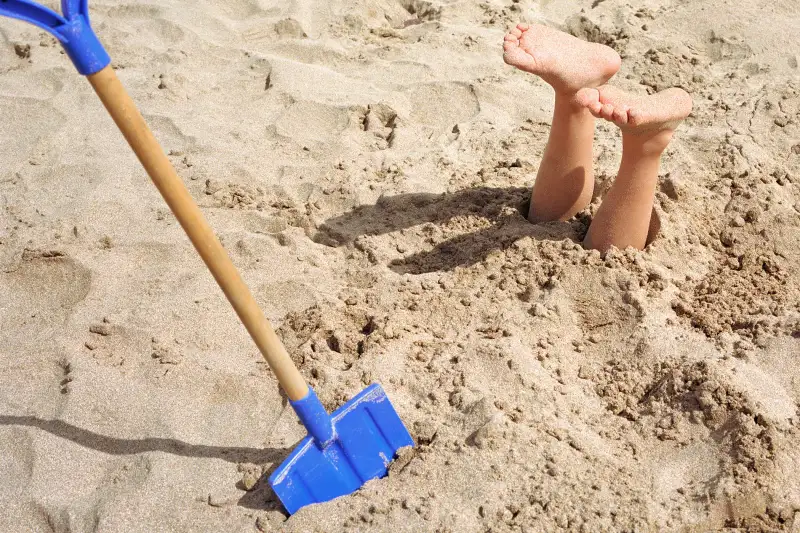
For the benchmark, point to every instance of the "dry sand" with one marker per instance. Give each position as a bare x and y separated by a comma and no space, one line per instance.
365,163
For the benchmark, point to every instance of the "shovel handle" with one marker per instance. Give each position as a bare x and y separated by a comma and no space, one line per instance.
158,167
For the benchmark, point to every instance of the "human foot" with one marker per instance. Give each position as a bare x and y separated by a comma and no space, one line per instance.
565,62
636,114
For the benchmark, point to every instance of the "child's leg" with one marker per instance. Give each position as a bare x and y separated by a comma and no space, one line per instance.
565,179
647,124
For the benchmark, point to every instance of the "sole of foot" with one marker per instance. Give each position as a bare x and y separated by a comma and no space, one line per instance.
636,114
566,63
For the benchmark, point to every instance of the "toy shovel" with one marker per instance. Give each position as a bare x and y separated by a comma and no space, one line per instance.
342,451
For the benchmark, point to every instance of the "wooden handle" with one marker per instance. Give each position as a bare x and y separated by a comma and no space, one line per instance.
133,127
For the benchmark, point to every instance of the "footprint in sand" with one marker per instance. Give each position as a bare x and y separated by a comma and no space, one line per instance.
442,105
720,49
308,122
110,499
44,286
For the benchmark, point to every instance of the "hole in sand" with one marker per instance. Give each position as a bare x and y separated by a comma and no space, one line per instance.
525,207
333,343
655,228
369,327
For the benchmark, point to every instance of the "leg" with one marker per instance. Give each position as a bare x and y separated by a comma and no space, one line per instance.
647,125
565,179
624,216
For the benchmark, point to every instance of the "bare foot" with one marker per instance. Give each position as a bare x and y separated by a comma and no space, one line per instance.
636,114
565,62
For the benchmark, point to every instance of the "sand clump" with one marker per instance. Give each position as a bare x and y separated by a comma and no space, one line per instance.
368,166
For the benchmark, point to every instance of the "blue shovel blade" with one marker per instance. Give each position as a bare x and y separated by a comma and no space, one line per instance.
368,434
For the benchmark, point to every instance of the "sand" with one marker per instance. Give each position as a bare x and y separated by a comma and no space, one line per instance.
367,164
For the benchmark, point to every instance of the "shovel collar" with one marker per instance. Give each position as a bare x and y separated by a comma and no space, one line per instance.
315,418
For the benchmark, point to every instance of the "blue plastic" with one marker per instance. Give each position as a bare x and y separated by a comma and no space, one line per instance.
72,30
315,418
367,432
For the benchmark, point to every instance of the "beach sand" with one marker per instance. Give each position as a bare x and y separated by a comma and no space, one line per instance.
368,164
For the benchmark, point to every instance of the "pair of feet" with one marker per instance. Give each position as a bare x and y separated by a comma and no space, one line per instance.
578,72
581,69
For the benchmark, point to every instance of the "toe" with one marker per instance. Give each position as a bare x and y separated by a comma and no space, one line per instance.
523,27
620,115
516,56
510,37
516,33
595,108
621,121
607,111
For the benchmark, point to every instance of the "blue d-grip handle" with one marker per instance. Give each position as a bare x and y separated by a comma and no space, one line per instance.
315,418
72,30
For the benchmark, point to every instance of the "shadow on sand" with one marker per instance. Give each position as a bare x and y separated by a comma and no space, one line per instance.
505,208
260,497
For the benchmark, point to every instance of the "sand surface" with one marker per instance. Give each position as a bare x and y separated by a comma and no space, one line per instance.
366,164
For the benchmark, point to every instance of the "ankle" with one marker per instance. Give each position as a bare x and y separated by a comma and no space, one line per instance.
567,101
647,144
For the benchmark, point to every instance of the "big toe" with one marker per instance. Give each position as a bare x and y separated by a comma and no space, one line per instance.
514,55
